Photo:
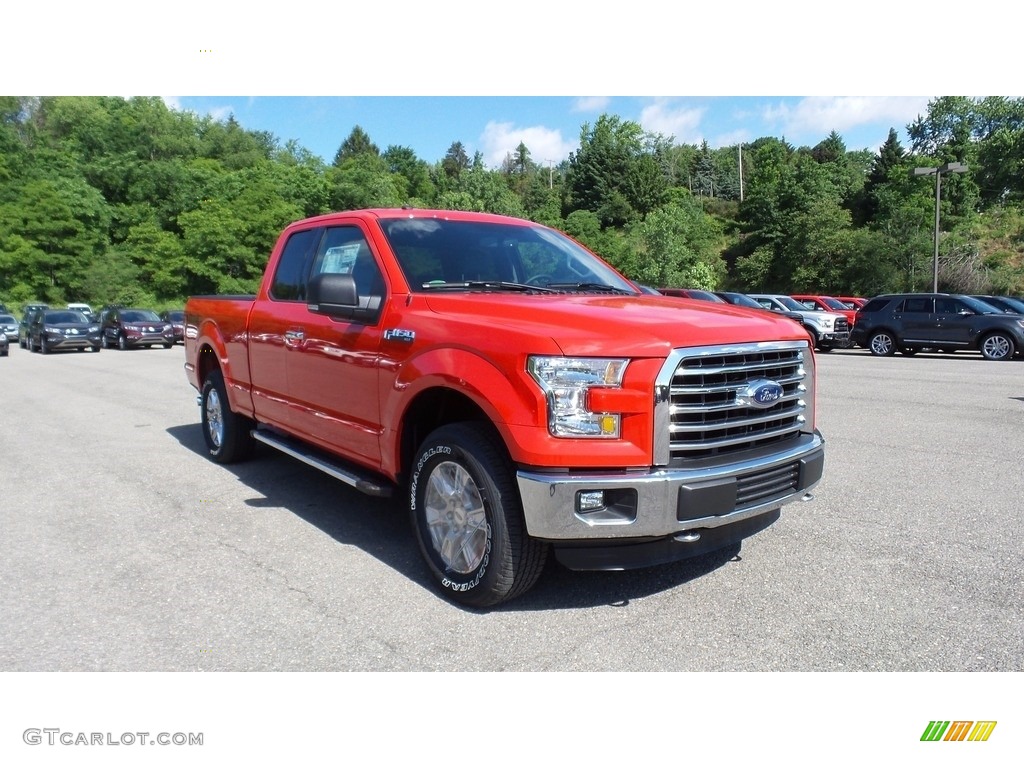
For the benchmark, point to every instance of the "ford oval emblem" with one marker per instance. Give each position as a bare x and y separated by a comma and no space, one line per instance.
760,393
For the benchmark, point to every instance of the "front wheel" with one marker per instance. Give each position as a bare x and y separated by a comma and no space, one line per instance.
997,346
468,519
228,436
122,342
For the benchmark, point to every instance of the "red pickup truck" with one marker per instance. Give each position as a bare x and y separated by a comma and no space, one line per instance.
524,396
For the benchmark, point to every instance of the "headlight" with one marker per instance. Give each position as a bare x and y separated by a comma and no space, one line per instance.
53,330
566,381
94,329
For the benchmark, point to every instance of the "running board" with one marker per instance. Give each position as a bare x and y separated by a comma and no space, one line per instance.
324,462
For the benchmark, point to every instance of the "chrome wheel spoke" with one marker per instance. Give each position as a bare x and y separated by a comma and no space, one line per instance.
456,518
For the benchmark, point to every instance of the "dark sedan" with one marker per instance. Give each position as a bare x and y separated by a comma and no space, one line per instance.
58,329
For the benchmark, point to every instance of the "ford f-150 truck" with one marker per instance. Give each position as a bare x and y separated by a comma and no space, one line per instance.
522,395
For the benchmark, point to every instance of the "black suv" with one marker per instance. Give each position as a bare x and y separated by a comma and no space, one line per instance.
913,322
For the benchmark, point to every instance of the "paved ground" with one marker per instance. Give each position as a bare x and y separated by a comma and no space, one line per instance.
125,549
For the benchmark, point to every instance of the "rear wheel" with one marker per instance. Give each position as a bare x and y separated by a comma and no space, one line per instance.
465,510
228,436
997,346
882,343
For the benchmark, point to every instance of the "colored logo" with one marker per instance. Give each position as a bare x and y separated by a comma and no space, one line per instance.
759,393
958,730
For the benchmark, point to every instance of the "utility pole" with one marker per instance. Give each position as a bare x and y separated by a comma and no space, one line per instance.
739,151
937,172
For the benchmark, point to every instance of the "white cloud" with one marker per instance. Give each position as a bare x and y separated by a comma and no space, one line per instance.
665,117
819,115
545,144
591,103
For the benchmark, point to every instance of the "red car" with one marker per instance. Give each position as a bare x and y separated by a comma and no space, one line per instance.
826,304
853,302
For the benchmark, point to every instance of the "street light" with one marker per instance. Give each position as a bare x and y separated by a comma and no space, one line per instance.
937,172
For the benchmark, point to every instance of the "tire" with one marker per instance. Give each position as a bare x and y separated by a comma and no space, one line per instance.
94,349
997,346
228,436
168,346
825,348
104,341
882,343
465,510
122,342
44,348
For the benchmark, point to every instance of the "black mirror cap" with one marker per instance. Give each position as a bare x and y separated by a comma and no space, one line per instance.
336,296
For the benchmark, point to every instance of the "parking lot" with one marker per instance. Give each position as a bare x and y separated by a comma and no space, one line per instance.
126,549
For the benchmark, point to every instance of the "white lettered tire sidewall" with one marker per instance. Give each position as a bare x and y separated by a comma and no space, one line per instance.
505,562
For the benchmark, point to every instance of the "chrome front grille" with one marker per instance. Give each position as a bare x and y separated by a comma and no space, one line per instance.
706,416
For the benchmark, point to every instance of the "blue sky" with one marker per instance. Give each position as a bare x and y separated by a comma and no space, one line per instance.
550,125
490,75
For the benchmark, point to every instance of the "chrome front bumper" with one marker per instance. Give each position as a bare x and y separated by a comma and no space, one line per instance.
668,502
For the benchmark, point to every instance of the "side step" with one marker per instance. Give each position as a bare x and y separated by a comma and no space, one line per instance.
324,462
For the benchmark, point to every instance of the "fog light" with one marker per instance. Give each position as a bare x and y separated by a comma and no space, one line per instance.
588,501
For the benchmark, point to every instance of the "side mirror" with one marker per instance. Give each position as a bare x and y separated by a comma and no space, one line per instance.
336,296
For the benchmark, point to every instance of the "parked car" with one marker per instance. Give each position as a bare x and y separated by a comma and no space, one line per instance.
5,345
742,300
127,328
27,310
827,304
9,327
692,293
176,317
916,322
853,302
1004,303
828,329
85,309
59,329
23,327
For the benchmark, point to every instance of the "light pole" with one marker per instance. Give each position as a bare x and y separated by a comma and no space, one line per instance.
937,172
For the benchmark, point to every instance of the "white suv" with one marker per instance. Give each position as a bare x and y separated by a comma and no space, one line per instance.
829,330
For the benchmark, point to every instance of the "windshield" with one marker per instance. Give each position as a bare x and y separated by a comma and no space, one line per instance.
175,317
489,255
7,319
139,316
66,316
742,300
834,303
793,304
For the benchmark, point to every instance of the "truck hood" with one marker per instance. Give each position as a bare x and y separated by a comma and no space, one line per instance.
633,326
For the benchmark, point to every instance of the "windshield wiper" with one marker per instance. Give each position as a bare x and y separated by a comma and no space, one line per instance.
486,285
604,288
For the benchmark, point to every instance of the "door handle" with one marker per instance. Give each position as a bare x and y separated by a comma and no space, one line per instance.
294,338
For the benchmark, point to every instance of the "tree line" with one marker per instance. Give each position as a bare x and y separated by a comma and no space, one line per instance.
113,200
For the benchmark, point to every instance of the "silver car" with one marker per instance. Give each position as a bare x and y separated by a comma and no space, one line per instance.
9,327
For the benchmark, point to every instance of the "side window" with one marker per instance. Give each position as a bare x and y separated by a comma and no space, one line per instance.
947,306
918,304
344,251
290,276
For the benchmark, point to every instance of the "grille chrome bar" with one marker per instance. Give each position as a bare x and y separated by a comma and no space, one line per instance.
702,416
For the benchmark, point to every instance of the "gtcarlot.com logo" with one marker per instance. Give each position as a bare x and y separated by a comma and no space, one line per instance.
958,730
55,736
